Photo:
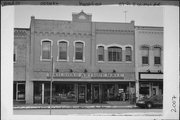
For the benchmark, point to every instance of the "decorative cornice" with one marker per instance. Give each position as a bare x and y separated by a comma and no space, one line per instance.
109,31
21,32
150,32
80,34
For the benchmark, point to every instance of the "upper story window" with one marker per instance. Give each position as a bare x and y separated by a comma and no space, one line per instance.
63,50
157,55
128,51
46,50
100,53
79,46
15,54
114,53
145,55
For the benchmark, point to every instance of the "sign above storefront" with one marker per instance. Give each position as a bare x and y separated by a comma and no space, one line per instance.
87,75
151,76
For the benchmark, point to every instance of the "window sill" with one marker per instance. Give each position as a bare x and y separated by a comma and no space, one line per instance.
45,60
128,61
20,100
145,65
115,62
101,61
79,61
157,65
62,60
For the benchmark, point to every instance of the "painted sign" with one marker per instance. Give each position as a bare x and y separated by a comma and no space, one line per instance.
87,75
151,76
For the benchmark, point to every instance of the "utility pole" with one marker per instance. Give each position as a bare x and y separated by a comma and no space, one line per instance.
52,71
125,14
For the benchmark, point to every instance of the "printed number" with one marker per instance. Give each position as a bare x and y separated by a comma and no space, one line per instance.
173,104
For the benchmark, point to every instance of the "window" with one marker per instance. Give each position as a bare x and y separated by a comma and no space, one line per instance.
100,53
128,54
19,91
145,55
15,54
46,50
79,51
115,54
157,55
62,50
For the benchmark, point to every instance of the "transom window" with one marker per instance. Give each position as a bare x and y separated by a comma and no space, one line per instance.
79,51
157,55
46,50
115,53
145,55
62,50
128,54
100,53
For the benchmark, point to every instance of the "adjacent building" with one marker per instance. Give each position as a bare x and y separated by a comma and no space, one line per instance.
91,62
149,61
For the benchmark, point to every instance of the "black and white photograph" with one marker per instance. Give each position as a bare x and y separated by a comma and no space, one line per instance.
91,61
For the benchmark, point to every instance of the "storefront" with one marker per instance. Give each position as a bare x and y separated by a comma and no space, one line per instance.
85,88
150,84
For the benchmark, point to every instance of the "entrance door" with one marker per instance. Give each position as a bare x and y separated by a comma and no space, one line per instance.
81,93
20,91
155,90
95,93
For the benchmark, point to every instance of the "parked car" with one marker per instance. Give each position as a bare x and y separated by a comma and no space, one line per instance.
154,101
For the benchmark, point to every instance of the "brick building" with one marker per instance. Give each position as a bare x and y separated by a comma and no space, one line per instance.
93,62
149,61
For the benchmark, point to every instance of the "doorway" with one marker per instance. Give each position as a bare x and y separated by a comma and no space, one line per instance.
155,90
96,94
20,94
81,93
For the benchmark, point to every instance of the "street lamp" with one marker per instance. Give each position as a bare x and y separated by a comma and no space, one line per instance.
52,71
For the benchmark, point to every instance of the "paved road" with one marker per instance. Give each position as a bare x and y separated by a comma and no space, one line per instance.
104,112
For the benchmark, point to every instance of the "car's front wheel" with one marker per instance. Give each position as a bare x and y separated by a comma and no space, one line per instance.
149,105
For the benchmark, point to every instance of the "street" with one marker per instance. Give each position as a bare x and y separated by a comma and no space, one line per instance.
91,112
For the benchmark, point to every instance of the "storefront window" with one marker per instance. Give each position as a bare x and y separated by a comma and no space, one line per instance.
144,91
65,92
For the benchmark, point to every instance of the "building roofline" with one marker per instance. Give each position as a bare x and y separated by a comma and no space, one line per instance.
91,21
21,28
148,27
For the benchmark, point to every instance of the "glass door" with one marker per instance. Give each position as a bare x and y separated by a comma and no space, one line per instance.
95,93
20,91
81,93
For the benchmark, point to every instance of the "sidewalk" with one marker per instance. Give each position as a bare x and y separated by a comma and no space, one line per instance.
109,105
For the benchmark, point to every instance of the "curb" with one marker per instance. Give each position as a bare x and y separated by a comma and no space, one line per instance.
73,107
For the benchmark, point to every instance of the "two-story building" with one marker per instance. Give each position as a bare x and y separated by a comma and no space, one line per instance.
149,61
92,62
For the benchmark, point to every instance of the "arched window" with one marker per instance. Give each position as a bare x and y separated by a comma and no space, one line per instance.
145,55
79,50
63,50
100,53
46,50
157,55
114,53
128,54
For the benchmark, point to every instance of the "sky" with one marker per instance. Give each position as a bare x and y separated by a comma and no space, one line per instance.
143,16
